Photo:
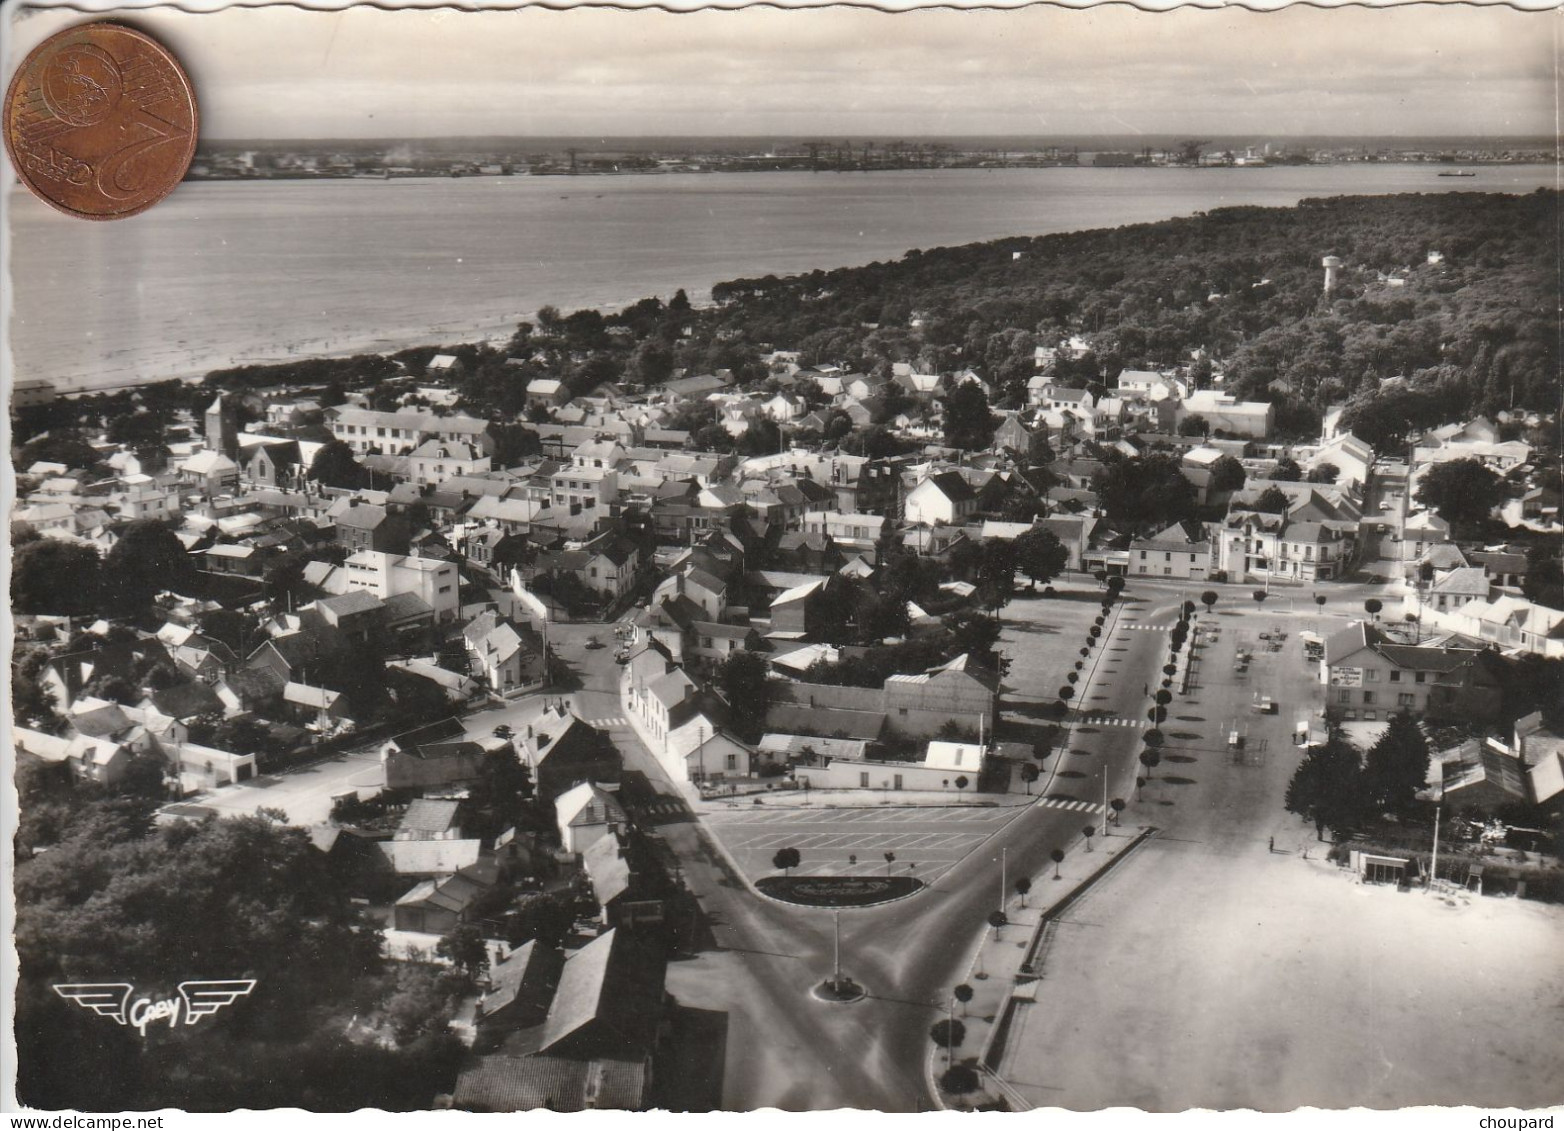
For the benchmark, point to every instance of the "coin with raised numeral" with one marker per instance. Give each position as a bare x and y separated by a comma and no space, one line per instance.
100,121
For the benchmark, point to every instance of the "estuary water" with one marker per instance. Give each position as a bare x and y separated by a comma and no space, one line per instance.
224,273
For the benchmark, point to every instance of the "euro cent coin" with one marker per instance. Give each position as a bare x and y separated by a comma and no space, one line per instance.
100,121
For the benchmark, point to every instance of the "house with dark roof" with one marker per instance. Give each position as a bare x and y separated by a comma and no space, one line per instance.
1506,568
366,526
521,986
865,723
357,616
253,689
611,1001
562,751
185,701
798,552
1369,675
1259,544
285,656
272,464
510,656
438,906
1172,552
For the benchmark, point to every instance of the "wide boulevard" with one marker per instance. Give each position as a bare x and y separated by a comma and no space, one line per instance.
785,1048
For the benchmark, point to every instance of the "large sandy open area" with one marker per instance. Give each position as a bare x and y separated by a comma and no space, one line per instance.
1216,971
1197,978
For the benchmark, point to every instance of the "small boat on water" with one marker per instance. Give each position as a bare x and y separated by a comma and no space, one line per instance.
1457,173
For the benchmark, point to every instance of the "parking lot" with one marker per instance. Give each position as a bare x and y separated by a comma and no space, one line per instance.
927,842
304,793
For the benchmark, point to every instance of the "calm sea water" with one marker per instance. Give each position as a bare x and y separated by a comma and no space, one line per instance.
224,273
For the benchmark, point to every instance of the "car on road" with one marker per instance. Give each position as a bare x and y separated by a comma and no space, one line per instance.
622,656
593,642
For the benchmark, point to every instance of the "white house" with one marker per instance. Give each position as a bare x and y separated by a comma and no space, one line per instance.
585,815
940,500
433,581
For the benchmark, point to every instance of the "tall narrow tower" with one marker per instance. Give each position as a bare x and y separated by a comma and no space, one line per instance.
1332,266
222,427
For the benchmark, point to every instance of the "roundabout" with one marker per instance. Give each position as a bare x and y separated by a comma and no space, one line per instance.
839,891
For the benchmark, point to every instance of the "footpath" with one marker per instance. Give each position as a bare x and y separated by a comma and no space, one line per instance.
1007,967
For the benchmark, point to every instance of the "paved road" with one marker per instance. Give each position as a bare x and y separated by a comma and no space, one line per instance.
787,1050
304,792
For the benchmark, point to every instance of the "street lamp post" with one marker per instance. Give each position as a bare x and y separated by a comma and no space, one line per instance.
1437,795
836,974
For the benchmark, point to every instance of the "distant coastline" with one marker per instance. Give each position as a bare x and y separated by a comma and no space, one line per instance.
1441,168
240,276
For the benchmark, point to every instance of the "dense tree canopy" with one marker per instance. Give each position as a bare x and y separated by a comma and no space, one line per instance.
1040,555
52,576
335,465
1147,489
1469,334
742,678
1396,766
148,559
969,424
1461,491
1327,786
1227,474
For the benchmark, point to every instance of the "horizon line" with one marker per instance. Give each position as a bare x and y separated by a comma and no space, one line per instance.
826,137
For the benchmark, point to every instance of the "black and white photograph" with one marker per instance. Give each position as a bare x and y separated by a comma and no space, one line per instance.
591,559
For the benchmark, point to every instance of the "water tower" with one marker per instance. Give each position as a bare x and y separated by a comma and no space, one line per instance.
1331,265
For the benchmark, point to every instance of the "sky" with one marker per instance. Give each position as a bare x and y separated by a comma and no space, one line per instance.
366,72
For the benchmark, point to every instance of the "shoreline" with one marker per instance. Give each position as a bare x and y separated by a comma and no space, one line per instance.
1015,166
180,354
383,344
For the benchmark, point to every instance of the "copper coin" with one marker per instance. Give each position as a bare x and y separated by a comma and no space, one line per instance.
100,122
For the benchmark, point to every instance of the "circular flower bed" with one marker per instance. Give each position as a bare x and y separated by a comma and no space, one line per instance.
838,891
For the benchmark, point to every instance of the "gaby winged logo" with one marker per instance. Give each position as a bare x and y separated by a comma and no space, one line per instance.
195,1001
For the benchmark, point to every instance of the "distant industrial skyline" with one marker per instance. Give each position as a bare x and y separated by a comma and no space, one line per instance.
1424,71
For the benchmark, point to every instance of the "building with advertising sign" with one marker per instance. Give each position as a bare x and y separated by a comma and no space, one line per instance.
1371,676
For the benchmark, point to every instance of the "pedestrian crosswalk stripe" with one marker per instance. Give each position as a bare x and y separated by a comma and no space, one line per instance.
663,808
1111,721
1143,627
615,721
1071,804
